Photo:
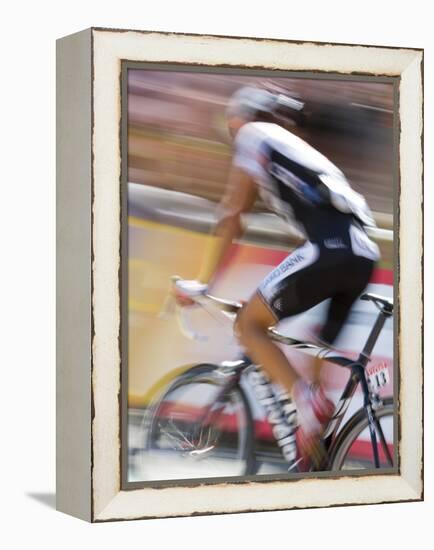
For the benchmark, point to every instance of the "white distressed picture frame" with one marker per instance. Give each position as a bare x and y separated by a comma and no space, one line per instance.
88,282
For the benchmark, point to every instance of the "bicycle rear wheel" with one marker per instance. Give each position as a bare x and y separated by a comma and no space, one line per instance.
353,448
196,430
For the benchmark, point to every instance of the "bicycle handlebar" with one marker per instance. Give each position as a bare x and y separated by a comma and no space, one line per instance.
170,306
230,308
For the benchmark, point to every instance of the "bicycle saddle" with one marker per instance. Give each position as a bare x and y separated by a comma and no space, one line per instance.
387,303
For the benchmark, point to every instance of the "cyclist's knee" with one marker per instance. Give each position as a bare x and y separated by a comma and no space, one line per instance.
240,324
248,327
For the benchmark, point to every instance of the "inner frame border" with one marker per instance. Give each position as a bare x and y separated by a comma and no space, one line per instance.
127,65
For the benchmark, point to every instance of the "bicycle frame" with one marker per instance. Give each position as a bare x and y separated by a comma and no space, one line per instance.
357,376
357,368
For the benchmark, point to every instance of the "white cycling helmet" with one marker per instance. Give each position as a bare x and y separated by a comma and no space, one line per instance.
248,102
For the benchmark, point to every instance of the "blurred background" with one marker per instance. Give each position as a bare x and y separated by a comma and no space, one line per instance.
179,154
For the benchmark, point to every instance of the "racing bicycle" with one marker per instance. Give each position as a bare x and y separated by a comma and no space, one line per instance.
203,420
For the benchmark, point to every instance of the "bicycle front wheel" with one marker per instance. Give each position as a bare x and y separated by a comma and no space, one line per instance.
353,448
199,430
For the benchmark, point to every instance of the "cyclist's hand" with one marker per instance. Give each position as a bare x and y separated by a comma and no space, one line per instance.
185,292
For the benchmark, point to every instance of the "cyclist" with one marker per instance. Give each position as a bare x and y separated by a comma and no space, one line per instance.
335,262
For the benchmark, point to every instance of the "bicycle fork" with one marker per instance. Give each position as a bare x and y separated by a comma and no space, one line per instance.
358,376
369,413
359,371
374,425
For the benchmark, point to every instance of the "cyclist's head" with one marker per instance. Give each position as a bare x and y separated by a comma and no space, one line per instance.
250,104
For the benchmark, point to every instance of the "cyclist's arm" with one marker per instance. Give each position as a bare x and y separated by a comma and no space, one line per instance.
239,197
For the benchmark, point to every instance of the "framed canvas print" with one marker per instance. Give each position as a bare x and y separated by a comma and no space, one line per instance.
239,289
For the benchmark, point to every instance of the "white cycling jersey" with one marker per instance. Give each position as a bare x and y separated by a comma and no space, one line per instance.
269,154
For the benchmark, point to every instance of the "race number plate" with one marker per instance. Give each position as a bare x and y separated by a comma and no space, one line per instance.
378,376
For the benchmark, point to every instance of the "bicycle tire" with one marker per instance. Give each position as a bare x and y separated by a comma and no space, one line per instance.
352,430
204,374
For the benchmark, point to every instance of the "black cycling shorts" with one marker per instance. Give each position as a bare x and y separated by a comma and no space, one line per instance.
313,273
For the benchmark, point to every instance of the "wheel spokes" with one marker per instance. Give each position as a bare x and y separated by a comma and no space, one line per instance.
187,424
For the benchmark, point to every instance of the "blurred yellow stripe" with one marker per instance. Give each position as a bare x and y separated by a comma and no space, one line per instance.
143,307
185,142
136,262
147,224
141,401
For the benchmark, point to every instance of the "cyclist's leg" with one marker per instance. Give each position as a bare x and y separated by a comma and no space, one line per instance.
355,277
278,297
337,313
252,330
301,281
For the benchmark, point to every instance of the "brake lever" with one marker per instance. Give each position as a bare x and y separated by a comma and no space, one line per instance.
168,308
185,327
171,307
